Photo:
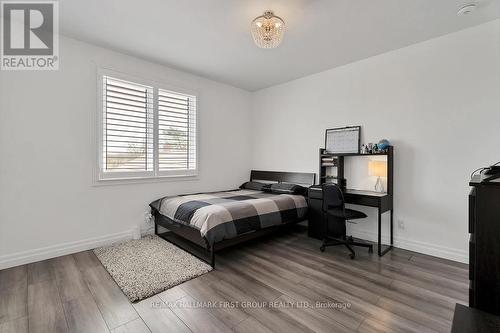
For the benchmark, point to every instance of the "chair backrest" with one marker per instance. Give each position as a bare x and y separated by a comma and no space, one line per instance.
333,198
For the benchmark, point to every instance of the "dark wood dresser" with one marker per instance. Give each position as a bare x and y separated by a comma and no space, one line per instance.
467,320
484,245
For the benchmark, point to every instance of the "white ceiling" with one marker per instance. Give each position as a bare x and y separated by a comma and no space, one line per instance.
211,38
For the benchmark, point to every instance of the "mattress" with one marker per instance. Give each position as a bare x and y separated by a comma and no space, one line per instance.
225,215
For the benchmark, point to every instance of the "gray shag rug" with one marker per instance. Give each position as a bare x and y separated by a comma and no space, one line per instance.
147,266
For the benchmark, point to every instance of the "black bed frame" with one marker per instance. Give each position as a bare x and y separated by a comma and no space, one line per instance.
193,236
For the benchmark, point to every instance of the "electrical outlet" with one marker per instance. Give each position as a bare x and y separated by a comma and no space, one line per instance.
401,224
148,218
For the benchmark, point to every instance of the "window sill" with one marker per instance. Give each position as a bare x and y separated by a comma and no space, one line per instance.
143,180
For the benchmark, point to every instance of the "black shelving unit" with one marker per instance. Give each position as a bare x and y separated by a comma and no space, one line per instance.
339,165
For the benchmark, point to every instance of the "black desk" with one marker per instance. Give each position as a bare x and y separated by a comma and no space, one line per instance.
381,201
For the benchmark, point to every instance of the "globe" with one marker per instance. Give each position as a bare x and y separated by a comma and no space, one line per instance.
383,144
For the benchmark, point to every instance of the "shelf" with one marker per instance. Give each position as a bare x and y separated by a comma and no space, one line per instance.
356,154
324,154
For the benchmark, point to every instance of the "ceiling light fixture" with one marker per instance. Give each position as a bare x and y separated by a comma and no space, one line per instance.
268,30
467,9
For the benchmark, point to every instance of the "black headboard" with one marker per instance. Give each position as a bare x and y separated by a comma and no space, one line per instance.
301,178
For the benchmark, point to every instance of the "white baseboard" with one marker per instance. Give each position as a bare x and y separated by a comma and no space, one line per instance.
26,257
420,247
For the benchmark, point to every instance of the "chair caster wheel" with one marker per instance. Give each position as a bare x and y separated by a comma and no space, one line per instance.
370,250
322,249
352,256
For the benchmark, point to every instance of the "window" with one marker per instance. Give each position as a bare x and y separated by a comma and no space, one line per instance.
176,132
146,132
128,127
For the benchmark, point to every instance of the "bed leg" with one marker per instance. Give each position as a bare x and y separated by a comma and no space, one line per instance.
156,229
212,257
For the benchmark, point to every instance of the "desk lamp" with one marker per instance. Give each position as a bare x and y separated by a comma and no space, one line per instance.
378,169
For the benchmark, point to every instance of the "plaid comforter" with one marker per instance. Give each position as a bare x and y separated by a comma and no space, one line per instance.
225,215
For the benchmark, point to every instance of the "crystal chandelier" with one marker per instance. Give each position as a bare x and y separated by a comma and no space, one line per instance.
268,30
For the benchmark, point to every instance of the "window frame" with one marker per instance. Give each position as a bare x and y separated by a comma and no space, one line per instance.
118,177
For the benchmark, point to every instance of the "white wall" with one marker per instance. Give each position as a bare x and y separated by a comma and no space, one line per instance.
438,102
48,204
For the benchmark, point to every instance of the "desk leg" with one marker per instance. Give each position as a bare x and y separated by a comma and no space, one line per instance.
389,247
379,233
392,228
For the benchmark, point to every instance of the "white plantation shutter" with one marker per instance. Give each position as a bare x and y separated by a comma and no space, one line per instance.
146,132
127,127
176,133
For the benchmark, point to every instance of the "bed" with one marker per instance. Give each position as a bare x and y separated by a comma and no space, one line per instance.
216,220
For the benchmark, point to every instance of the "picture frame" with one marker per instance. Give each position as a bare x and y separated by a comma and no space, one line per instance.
343,140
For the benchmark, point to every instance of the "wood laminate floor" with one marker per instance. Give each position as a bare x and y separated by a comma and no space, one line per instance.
279,284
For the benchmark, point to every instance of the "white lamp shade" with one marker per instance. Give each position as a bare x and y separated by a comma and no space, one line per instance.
377,168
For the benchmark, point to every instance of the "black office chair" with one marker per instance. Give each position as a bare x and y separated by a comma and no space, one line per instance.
334,210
